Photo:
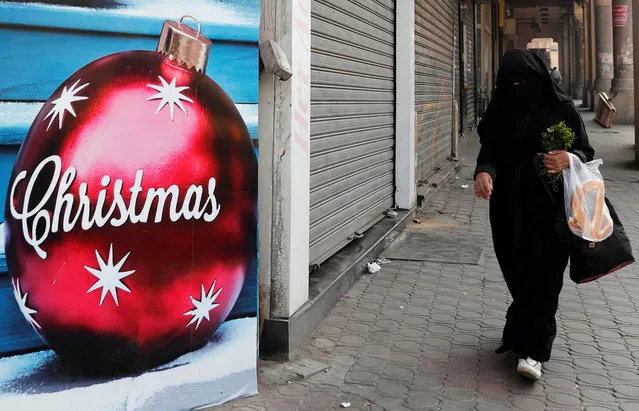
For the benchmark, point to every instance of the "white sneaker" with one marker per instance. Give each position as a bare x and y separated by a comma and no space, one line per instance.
529,368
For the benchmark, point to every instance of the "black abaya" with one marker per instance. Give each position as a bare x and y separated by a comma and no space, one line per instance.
531,256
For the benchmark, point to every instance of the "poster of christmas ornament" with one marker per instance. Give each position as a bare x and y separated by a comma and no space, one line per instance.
128,171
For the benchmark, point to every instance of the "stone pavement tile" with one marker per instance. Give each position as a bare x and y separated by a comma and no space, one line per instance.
623,375
560,354
362,377
627,391
521,387
594,379
493,406
377,399
560,399
612,347
427,383
457,406
597,395
371,363
403,359
526,403
421,400
350,340
282,405
318,402
558,368
560,384
323,343
583,364
291,392
490,389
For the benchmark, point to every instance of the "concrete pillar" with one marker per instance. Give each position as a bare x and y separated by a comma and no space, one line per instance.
593,54
623,82
587,86
580,74
284,180
565,55
571,57
603,27
635,17
405,154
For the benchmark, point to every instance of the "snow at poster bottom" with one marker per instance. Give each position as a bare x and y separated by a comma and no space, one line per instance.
222,370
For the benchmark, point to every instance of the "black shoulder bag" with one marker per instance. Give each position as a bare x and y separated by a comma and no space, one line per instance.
590,261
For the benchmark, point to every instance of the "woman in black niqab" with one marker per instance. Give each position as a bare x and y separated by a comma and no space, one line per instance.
530,253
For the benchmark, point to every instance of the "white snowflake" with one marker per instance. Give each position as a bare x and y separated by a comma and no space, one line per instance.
170,95
63,103
109,276
204,306
22,303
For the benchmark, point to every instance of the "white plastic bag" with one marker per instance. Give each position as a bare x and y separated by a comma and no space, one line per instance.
584,194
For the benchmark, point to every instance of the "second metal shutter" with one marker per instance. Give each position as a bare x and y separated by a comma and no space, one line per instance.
352,119
434,69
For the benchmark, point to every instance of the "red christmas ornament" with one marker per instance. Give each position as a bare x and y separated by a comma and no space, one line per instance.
131,212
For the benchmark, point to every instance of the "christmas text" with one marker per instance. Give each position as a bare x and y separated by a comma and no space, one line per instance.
70,208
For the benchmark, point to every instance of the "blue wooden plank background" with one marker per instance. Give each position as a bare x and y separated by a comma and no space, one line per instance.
48,43
115,21
38,62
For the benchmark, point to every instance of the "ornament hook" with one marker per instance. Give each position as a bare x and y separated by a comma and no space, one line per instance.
188,16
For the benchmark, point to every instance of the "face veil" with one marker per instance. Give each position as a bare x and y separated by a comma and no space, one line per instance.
533,81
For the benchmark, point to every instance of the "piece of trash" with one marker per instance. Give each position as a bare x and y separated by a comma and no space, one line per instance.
417,221
346,404
374,268
368,404
401,307
391,214
465,186
382,260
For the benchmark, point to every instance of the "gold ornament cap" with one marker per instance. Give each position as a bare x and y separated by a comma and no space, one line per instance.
183,44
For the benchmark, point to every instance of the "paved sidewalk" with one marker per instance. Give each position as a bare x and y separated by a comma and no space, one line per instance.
422,335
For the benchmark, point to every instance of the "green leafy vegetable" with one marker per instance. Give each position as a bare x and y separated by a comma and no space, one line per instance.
557,137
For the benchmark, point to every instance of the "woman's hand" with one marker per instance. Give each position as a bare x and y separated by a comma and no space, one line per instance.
483,185
556,161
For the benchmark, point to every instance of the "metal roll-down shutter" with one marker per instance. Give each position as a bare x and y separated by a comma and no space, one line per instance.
352,119
434,75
